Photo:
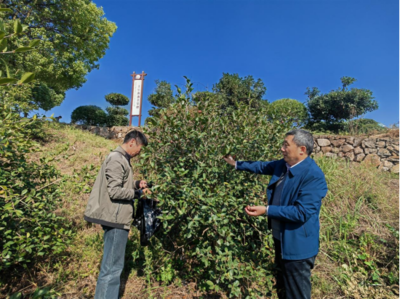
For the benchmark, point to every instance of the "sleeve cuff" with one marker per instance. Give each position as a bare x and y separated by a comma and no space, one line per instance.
235,164
266,210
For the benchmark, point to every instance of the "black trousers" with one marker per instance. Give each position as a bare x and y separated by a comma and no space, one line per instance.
293,276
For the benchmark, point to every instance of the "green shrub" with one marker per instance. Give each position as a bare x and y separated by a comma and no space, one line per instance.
117,99
29,195
117,111
90,115
207,236
289,109
116,120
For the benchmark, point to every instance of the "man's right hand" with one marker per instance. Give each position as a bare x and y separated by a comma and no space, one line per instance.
229,159
145,193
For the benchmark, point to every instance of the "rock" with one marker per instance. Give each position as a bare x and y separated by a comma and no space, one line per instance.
384,139
331,155
358,150
372,159
373,151
103,132
381,143
335,150
340,154
349,155
393,159
396,148
395,169
326,149
338,142
359,157
368,143
323,142
347,147
387,164
357,141
383,152
350,139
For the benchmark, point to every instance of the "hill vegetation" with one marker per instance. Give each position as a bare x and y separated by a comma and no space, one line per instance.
359,237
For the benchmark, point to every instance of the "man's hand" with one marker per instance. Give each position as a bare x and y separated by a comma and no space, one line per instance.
142,184
255,210
145,193
229,159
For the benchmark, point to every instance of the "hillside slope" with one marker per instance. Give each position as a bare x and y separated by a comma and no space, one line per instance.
359,232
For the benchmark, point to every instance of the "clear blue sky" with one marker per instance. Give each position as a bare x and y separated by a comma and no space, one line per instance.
290,45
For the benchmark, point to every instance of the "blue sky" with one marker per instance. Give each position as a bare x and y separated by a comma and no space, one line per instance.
290,45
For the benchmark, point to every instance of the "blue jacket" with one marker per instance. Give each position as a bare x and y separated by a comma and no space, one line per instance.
301,199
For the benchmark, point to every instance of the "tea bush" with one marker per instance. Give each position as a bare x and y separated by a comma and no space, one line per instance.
206,234
29,195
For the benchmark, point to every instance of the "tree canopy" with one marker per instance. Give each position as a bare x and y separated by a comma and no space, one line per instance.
341,104
90,115
289,109
73,36
229,92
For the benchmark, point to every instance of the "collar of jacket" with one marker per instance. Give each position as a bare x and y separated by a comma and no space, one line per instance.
304,165
122,151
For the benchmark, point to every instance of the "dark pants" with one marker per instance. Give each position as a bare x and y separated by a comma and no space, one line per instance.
293,276
115,240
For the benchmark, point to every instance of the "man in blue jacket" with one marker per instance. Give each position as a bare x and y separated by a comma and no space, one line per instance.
294,193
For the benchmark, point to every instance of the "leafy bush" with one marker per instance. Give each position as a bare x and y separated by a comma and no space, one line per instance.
207,235
116,120
29,195
117,99
117,111
289,109
90,115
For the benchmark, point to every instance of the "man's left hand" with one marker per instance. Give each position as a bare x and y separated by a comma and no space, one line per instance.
255,210
142,184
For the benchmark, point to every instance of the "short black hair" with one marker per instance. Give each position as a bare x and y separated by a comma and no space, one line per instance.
138,136
303,138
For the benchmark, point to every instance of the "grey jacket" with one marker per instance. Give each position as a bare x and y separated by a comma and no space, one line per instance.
111,200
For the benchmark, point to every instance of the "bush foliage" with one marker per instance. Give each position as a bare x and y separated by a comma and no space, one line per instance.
29,195
90,115
117,99
207,235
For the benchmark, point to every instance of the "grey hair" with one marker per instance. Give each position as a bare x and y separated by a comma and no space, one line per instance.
302,138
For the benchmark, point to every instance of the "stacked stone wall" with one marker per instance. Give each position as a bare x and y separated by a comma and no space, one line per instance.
381,151
117,132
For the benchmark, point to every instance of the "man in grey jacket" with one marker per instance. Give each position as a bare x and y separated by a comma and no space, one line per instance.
111,205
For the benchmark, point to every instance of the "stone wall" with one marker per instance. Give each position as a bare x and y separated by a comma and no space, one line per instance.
109,133
382,150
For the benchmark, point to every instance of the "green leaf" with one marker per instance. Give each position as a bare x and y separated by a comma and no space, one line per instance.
2,34
7,70
27,78
210,283
6,9
17,27
23,49
3,45
4,81
34,42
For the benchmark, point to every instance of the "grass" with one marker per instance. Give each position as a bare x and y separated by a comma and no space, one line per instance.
359,232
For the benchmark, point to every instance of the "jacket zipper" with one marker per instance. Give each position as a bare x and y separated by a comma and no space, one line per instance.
116,215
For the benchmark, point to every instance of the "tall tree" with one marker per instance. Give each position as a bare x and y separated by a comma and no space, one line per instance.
73,34
117,115
161,98
236,89
339,105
